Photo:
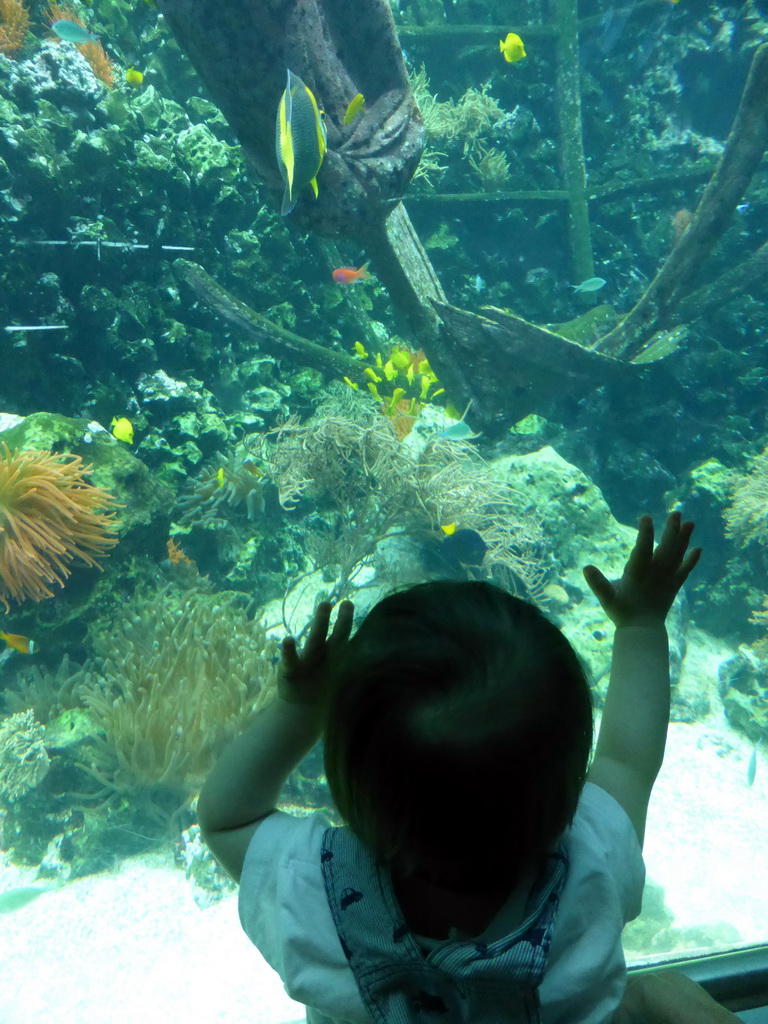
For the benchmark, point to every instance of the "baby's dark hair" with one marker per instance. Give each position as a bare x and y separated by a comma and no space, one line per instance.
458,733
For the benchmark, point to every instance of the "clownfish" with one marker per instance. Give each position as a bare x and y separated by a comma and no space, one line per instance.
19,643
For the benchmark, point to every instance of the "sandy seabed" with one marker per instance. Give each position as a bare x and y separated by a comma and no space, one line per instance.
133,947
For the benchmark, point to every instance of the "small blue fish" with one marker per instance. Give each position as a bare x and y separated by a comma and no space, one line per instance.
71,32
592,284
752,767
459,431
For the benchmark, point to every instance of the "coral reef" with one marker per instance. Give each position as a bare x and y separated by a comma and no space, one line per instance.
97,57
741,680
49,517
463,122
24,762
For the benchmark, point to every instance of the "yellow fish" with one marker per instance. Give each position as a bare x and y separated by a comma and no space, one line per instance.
134,78
512,48
356,106
122,429
300,140
19,643
220,476
360,350
449,529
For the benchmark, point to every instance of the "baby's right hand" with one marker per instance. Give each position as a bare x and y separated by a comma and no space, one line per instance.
651,579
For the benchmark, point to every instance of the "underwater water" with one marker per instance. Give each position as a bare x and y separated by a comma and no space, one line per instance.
528,304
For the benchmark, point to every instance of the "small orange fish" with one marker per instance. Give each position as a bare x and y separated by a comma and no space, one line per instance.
19,643
349,275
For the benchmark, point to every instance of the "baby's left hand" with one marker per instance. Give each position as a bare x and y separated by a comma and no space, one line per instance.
302,675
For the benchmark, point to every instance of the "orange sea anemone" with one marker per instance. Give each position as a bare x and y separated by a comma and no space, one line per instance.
101,64
14,25
49,517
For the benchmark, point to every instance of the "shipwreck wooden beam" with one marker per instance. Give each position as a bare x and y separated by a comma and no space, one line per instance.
751,274
574,168
510,368
241,51
744,148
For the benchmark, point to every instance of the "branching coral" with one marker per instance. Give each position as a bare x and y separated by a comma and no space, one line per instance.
24,761
14,26
339,456
172,684
746,517
49,517
348,458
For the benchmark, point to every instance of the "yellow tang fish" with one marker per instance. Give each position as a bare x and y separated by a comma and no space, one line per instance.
134,78
356,106
300,140
122,429
512,47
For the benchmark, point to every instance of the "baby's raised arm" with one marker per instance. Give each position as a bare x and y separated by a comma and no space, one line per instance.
633,731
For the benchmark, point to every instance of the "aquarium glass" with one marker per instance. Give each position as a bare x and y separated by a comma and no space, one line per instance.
307,303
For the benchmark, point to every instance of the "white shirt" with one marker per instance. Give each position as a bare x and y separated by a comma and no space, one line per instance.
284,912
